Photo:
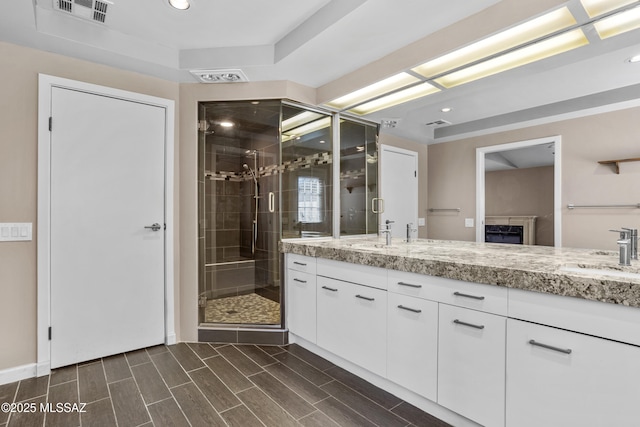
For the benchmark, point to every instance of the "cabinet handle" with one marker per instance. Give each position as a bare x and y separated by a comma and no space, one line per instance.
459,322
330,289
299,280
411,285
460,294
550,347
365,298
415,310
300,263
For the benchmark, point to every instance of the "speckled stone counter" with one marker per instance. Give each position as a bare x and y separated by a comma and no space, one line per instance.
583,273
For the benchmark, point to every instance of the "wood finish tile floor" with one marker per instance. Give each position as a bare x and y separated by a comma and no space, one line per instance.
209,385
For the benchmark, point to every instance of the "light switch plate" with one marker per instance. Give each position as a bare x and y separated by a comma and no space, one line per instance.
15,231
421,222
468,222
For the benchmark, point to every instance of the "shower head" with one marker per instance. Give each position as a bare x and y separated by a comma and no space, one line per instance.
253,175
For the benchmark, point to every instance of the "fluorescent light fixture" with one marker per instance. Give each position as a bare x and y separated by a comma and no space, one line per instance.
600,7
395,98
376,89
180,4
296,133
299,120
546,24
535,52
618,23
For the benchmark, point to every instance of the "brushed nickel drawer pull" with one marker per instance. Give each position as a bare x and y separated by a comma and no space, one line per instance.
414,310
411,285
300,263
365,298
299,280
460,294
459,322
330,289
550,347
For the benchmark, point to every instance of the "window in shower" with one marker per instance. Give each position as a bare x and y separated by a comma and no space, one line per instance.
310,199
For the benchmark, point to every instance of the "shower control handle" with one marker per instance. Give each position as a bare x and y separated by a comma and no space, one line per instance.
154,227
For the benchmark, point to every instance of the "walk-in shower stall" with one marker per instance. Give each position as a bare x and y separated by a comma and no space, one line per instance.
265,172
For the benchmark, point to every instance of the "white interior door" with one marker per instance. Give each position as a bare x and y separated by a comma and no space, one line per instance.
107,185
399,189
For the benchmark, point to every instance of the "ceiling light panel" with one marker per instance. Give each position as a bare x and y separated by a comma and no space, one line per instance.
395,98
600,7
305,129
618,23
531,30
299,120
535,52
392,83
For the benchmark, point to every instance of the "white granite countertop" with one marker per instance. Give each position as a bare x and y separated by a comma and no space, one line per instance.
583,273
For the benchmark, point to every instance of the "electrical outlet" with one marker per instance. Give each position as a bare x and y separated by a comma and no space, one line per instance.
468,222
421,222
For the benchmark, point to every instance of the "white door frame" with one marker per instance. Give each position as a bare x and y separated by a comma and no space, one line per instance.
414,154
557,182
45,85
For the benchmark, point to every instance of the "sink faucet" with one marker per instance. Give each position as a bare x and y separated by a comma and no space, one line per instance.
387,231
624,243
633,236
410,231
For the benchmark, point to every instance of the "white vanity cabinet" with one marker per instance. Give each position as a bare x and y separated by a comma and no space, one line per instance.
412,344
562,378
471,360
352,322
301,296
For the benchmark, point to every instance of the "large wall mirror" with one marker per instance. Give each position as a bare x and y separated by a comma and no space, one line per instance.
518,193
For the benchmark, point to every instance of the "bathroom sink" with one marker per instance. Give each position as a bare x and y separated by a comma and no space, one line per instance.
600,271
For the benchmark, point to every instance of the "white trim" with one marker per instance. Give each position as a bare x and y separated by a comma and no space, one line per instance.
335,139
45,85
17,373
557,182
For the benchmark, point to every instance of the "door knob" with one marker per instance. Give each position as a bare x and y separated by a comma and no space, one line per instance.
154,227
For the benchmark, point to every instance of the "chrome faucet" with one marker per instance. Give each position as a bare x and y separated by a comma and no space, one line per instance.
387,231
624,243
410,231
633,236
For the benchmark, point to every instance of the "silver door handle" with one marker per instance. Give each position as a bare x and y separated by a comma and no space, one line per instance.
460,294
471,325
550,347
380,205
154,227
272,202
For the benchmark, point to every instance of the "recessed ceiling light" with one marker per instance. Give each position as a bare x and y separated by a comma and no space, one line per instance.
531,53
634,59
446,109
226,124
618,23
322,142
526,32
392,83
395,98
180,4
600,7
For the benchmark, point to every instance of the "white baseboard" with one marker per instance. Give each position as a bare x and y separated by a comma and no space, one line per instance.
17,373
171,339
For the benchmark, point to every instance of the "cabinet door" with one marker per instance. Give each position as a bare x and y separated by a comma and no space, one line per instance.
471,364
352,323
301,304
412,344
561,378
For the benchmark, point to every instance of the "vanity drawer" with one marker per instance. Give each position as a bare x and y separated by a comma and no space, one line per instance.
355,273
476,296
304,264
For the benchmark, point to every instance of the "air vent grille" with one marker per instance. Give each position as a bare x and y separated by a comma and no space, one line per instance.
91,10
438,122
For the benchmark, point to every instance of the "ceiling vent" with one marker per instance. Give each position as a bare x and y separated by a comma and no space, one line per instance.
438,122
220,76
91,10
